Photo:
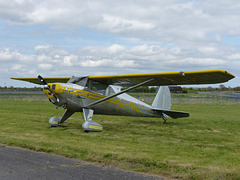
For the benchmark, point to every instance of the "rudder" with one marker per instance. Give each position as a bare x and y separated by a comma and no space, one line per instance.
162,99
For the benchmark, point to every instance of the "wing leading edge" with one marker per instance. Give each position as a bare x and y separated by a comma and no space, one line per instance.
35,80
160,79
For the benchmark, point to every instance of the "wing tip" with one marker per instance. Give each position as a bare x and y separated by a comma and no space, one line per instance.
228,73
16,78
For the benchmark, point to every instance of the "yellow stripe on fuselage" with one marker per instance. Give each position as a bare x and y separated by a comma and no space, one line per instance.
65,89
91,95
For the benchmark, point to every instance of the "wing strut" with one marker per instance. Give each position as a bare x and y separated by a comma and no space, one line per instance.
114,95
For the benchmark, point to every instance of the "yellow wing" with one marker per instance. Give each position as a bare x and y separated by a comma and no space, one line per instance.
48,79
160,79
167,78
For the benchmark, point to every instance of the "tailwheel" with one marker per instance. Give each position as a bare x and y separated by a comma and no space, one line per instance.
164,120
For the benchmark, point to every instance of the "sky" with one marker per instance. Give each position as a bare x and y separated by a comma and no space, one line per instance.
83,37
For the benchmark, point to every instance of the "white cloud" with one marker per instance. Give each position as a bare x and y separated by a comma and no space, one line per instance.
162,21
98,63
16,67
41,48
234,56
125,64
67,60
116,24
199,62
49,50
150,58
207,50
45,66
108,63
43,58
116,48
141,36
6,55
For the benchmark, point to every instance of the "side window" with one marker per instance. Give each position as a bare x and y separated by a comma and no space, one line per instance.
112,90
97,86
53,86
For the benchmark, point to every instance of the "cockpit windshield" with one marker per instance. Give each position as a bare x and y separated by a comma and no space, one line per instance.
81,81
91,85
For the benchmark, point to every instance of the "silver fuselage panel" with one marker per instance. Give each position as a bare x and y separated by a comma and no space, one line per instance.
75,97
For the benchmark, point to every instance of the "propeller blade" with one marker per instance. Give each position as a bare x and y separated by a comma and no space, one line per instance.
53,94
43,82
56,97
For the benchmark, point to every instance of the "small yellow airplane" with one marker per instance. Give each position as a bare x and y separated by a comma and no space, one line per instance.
103,95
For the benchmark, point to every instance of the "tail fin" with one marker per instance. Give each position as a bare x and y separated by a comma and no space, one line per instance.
162,99
162,104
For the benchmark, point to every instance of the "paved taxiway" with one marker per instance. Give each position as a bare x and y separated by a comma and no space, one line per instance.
20,164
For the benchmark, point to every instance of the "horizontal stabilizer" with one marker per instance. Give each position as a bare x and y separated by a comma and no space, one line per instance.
173,114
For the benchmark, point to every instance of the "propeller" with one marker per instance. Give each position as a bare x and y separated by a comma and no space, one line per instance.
43,82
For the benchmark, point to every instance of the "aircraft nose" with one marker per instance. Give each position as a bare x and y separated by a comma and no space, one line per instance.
46,90
52,89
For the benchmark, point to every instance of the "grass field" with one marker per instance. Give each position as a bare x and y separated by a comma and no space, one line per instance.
147,97
204,146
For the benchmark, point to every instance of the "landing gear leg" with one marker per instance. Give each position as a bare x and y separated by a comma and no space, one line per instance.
57,122
89,125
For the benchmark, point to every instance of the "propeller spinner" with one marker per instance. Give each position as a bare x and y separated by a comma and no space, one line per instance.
46,86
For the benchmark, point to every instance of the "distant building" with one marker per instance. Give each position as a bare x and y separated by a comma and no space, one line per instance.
176,89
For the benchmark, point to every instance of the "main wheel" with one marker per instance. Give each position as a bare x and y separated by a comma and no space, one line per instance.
54,121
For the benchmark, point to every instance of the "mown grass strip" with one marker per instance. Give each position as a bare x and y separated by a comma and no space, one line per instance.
204,146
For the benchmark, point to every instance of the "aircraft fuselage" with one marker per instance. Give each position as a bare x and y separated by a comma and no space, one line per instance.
76,97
